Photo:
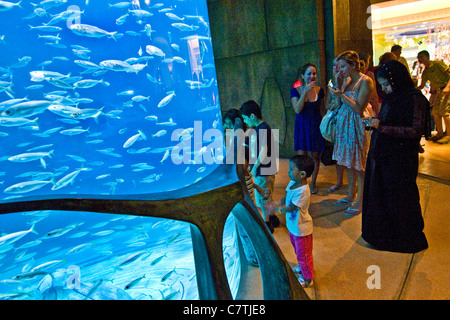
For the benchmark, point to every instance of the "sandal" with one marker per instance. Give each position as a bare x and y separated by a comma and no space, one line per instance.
343,201
352,212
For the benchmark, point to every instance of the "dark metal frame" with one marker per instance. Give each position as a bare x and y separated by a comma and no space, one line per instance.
207,212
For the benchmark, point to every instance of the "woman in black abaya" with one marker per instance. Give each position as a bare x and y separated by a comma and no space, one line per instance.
391,216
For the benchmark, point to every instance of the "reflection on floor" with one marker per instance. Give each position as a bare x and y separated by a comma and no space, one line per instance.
342,257
434,163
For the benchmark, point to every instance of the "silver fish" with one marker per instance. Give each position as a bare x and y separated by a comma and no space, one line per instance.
133,283
116,65
184,27
42,75
26,109
26,157
69,178
89,83
160,133
74,131
166,100
167,275
46,28
13,237
26,186
5,5
134,138
91,31
155,51
16,122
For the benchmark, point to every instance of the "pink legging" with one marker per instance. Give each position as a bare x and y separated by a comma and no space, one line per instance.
303,247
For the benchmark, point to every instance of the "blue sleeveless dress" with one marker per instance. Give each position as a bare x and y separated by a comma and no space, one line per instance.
307,136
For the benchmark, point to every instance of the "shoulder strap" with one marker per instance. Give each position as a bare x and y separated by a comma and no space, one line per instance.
357,83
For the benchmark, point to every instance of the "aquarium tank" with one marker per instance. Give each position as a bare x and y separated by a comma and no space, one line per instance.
105,99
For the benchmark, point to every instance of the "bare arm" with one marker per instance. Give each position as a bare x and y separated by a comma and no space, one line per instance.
299,103
365,92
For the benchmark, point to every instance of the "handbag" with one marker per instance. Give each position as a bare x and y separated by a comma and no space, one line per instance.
328,124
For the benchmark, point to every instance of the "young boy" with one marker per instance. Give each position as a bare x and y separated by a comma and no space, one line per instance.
261,142
298,221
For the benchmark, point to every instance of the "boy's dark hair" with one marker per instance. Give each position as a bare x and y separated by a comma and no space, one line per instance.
250,107
425,52
232,114
303,163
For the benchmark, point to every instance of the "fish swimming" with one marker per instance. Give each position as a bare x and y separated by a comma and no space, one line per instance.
132,257
38,76
26,109
134,138
5,5
167,275
166,100
26,186
133,282
89,83
154,51
16,122
64,181
160,133
26,157
116,65
158,259
91,31
13,237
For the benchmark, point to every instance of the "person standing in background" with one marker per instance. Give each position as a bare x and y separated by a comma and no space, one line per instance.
397,50
309,106
438,73
364,59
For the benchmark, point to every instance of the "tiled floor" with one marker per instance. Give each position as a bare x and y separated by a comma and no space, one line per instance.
342,259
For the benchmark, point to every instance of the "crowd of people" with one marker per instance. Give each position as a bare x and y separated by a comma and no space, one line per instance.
382,116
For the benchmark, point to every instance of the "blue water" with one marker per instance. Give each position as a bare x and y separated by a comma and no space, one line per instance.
98,143
111,135
86,248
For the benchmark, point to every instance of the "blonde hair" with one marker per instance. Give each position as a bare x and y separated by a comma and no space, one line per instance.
351,57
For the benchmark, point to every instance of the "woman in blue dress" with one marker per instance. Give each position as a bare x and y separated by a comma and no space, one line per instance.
309,105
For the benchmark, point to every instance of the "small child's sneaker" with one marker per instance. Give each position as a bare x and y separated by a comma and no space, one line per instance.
297,269
304,282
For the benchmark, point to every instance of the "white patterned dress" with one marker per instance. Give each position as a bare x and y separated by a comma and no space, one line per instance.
352,141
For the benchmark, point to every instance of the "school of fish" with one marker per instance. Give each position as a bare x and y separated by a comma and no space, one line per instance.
88,120
89,98
103,257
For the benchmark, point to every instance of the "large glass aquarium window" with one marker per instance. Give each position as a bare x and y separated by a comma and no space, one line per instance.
95,96
58,255
105,99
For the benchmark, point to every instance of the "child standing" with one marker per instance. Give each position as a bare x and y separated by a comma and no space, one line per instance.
261,142
298,220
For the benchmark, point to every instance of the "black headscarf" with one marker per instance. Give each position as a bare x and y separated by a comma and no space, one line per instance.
398,77
398,107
